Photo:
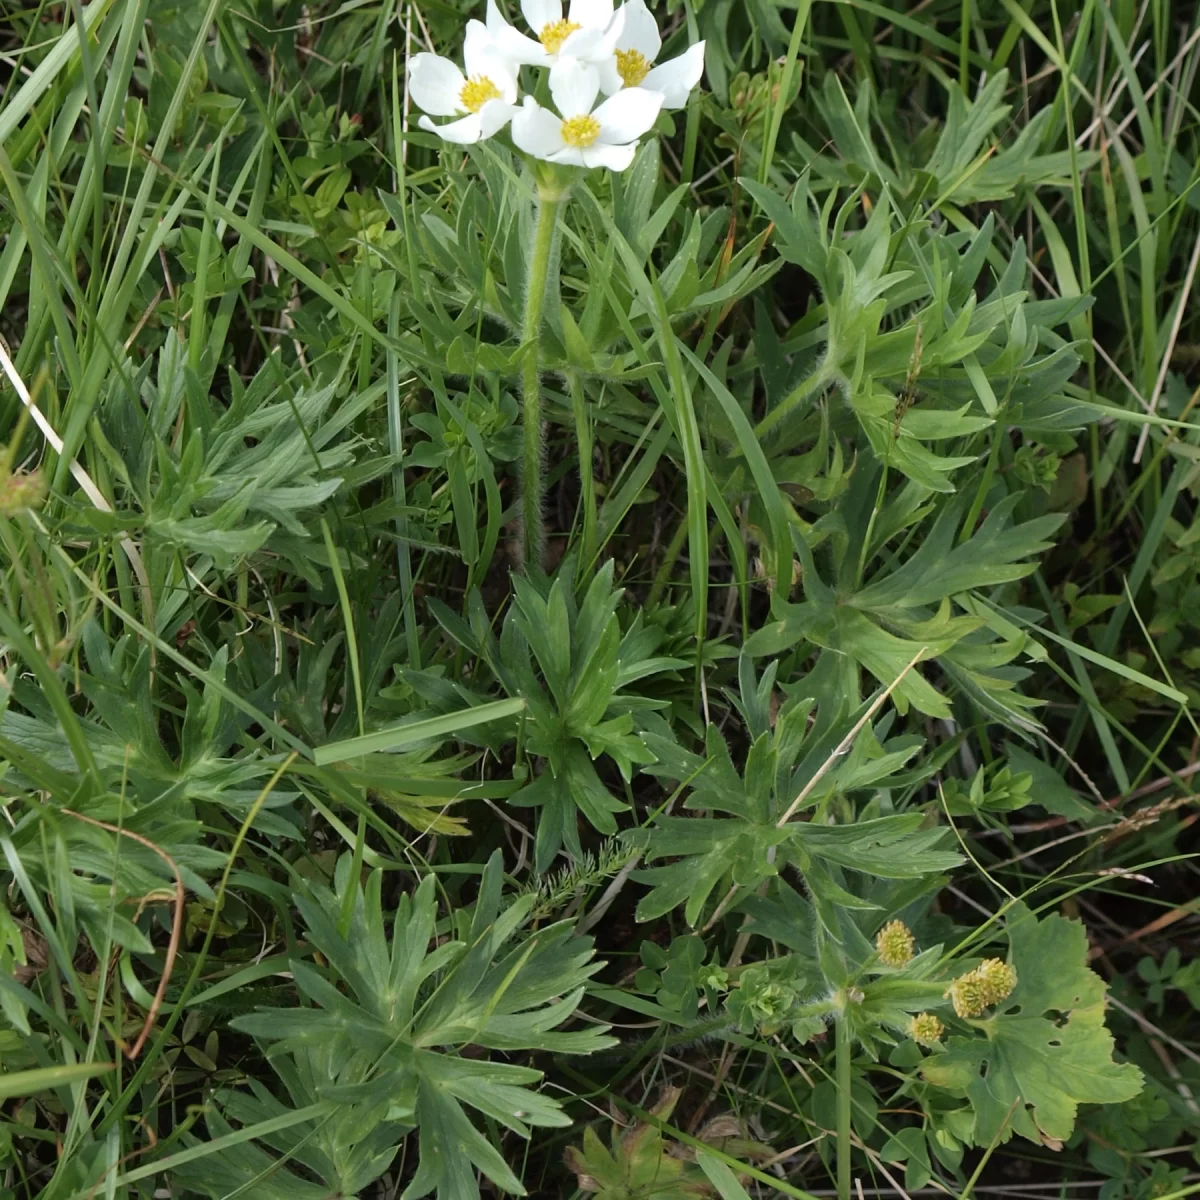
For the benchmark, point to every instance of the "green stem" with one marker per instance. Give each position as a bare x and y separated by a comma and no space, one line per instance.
985,484
533,478
670,558
820,378
842,1057
587,479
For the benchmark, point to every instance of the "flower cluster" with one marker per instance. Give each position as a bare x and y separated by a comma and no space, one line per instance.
926,1029
895,944
594,49
989,983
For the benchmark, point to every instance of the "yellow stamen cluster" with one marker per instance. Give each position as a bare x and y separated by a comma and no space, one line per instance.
990,983
895,944
926,1029
479,89
580,132
556,33
632,66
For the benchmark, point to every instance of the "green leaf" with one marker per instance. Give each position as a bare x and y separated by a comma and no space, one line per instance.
720,1176
748,846
998,552
44,1079
413,732
398,1009
1046,1050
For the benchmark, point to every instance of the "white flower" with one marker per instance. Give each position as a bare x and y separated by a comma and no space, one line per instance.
580,137
638,46
588,32
485,98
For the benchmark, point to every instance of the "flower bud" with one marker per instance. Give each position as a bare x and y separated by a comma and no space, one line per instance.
21,491
926,1029
966,995
895,944
989,983
997,979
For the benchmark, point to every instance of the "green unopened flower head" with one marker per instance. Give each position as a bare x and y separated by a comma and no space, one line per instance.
989,983
926,1029
997,978
21,491
771,1001
966,994
895,944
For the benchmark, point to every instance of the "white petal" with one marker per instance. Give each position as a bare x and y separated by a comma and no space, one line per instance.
574,86
482,56
593,43
593,14
462,133
500,71
676,77
641,31
435,85
540,13
493,117
610,77
627,115
570,157
512,44
537,130
615,158
476,43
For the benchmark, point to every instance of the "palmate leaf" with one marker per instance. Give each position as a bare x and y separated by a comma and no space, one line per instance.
348,1148
909,346
399,1010
747,845
881,625
267,456
1046,1049
222,1173
577,711
893,847
997,552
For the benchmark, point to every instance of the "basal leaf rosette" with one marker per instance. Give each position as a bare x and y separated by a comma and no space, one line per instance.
1043,1049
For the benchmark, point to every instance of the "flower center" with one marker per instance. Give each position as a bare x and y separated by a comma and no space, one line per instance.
632,66
555,33
580,132
477,91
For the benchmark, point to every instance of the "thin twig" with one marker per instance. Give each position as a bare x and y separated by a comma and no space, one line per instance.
1173,1072
1166,361
1151,1028
719,911
1128,119
84,480
848,740
610,894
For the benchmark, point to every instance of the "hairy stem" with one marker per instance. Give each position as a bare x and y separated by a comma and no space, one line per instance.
587,481
533,481
820,378
842,1056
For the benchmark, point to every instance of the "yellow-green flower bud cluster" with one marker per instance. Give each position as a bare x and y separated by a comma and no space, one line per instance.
989,983
895,944
926,1029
